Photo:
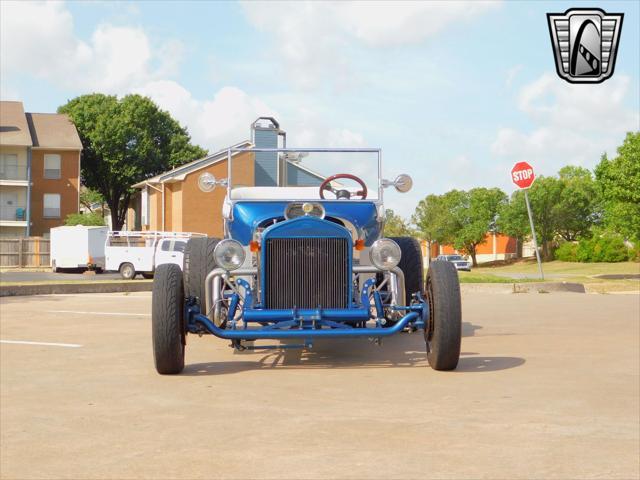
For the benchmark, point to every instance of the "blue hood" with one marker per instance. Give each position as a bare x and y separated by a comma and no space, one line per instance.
248,215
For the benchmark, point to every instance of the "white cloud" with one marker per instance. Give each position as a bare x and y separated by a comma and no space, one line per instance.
314,38
214,123
38,38
573,124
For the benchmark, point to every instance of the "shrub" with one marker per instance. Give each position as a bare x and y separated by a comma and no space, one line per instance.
88,219
567,252
607,248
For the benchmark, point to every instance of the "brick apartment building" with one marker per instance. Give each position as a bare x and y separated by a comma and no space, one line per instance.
39,170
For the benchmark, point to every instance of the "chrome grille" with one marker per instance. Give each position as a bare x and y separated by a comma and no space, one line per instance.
306,273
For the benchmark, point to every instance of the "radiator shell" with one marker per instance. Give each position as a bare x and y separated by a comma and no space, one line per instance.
306,263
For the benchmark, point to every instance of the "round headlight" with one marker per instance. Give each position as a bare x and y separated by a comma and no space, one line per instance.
385,254
229,254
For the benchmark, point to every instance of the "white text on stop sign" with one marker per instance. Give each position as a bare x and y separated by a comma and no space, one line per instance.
522,175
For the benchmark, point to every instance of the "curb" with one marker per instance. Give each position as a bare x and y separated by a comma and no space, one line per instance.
534,287
88,287
544,287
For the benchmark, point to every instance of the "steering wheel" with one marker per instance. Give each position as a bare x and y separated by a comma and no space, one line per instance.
342,194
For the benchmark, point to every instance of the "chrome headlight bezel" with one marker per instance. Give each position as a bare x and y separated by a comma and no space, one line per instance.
385,254
229,254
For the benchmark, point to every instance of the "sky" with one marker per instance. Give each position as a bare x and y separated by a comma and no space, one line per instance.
453,92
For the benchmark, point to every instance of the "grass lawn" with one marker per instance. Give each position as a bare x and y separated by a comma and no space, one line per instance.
557,271
569,268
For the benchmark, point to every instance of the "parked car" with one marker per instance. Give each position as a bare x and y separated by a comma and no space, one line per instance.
458,261
77,246
132,253
302,263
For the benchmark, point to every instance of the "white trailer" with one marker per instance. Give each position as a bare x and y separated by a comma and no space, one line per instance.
132,253
78,247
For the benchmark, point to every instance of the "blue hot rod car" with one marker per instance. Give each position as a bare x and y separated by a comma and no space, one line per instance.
300,263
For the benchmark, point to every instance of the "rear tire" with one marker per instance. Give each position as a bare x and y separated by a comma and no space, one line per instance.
444,332
167,320
411,264
127,271
198,263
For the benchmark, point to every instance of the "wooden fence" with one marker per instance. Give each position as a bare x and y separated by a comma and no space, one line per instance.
24,252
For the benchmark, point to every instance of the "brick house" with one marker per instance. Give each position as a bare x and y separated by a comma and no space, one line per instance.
172,200
39,170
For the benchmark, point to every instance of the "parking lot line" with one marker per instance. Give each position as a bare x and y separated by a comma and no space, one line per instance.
123,314
47,344
89,295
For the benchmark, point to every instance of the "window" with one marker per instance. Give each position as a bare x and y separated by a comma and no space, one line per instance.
144,206
52,166
173,246
52,205
9,166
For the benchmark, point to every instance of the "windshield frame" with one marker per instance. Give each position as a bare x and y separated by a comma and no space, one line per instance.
377,151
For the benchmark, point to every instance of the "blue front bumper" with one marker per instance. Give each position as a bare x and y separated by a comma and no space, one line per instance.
304,329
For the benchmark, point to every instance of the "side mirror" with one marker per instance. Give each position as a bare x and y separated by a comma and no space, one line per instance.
402,183
207,182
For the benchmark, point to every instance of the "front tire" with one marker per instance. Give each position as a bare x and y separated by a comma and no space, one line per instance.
444,332
167,320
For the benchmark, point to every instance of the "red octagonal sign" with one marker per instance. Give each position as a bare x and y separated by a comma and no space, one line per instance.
522,174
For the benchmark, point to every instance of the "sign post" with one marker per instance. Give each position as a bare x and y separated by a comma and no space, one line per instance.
523,176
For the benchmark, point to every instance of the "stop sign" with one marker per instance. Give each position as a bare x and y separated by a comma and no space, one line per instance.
522,174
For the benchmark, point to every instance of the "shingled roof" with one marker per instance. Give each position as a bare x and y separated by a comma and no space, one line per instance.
14,130
53,130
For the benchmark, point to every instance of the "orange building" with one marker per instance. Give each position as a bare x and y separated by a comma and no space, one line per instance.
39,171
495,246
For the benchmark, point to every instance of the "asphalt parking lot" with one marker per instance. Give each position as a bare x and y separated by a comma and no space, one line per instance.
547,387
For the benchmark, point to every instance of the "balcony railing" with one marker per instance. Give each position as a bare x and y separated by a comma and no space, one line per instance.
12,172
13,213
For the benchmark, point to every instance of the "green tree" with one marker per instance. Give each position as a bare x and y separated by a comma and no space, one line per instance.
125,141
618,181
89,198
88,219
578,207
436,216
513,219
426,218
545,197
396,226
476,216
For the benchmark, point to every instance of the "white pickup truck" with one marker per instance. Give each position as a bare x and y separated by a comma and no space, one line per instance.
131,253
